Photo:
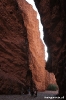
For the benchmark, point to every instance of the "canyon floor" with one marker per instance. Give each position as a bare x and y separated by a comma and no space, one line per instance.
40,96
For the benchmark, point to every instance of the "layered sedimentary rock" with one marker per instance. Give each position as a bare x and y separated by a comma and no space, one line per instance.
53,17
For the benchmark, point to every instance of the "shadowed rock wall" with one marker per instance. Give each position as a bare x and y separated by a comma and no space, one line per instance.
53,17
13,48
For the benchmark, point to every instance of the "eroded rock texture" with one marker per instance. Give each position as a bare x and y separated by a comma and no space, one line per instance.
49,79
53,17
36,47
13,48
21,49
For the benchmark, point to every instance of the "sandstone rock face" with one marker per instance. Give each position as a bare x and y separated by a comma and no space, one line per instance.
13,48
53,17
21,48
49,79
36,47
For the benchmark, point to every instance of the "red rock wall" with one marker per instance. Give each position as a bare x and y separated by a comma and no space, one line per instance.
36,47
41,77
49,79
13,48
21,48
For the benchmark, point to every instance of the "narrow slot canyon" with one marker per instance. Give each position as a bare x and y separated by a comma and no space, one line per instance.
32,49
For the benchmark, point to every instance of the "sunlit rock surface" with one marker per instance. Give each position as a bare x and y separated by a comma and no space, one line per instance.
21,48
36,47
53,17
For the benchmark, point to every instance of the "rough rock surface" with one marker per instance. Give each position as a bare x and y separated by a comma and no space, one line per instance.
41,77
13,48
49,79
21,48
36,47
53,17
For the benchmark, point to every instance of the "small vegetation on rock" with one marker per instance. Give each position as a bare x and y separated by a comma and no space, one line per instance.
52,87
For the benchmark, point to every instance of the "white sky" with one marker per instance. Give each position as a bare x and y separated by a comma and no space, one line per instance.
40,26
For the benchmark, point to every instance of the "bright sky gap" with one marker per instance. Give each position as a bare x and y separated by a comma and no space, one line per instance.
40,26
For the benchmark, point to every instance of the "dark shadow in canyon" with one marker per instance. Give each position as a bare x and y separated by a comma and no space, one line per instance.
53,18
